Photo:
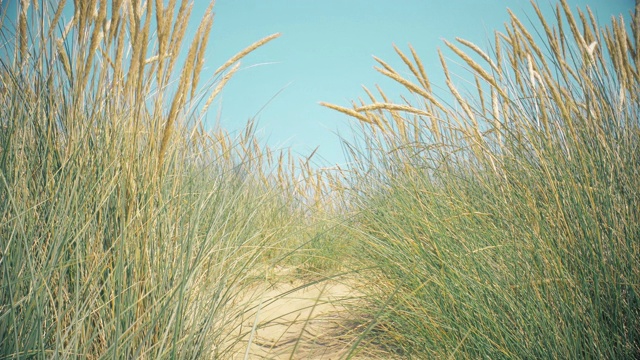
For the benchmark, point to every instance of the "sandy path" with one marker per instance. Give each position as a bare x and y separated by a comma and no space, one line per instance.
294,320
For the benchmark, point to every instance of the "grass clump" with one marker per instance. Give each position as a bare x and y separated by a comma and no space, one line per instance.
505,224
127,230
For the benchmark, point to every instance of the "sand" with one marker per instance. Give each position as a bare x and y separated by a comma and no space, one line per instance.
291,319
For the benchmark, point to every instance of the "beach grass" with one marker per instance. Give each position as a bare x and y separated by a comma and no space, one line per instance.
128,230
497,221
502,220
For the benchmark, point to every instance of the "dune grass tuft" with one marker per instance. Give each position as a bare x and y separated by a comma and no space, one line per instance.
128,231
505,225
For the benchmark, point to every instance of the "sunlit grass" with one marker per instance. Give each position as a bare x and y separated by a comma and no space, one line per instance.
505,225
128,231
501,222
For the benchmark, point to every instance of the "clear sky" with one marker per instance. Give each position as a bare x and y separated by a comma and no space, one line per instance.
325,54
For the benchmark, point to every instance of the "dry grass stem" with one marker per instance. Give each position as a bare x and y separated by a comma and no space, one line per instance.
476,67
221,83
413,88
245,52
349,112
392,107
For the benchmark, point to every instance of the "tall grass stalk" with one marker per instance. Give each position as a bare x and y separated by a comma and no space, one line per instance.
509,218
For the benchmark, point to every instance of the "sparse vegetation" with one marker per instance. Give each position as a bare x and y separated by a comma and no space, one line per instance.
495,222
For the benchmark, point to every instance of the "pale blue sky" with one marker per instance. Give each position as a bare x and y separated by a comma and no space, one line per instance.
325,54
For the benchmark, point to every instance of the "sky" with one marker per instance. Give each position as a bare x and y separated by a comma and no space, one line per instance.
325,53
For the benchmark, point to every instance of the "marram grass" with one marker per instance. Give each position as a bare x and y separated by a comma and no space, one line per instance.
500,223
506,225
127,231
